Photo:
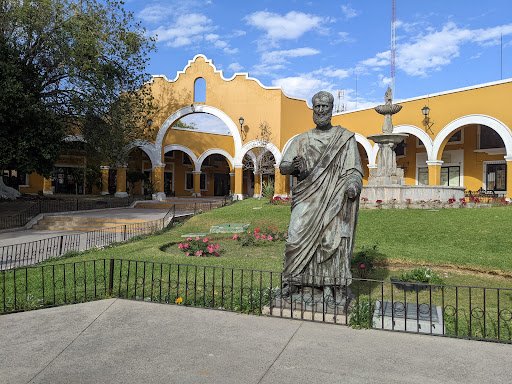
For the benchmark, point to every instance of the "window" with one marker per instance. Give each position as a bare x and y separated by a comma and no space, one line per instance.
423,176
489,138
189,181
200,90
496,177
456,137
186,159
450,176
400,149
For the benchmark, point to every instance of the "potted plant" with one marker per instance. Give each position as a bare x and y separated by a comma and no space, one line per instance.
417,279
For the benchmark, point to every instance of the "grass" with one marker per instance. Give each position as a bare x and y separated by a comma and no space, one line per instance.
476,238
447,239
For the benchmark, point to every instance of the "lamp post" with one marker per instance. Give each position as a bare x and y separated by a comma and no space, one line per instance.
426,121
242,132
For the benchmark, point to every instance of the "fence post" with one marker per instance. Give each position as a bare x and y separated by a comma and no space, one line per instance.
124,232
195,208
61,243
111,278
77,205
210,205
173,212
39,205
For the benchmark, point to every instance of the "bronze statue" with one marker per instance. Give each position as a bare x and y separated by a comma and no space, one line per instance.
325,204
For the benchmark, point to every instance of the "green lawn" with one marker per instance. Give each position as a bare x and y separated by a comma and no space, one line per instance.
148,269
478,238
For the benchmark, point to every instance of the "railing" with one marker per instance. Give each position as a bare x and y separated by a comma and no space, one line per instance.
17,255
49,206
23,254
455,311
483,196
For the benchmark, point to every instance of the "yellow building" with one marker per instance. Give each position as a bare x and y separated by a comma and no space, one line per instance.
467,143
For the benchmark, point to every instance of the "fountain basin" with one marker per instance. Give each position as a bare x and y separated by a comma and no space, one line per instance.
416,193
388,109
388,138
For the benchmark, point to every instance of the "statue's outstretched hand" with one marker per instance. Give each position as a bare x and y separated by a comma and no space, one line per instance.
299,163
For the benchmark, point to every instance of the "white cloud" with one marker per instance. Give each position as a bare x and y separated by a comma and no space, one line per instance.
155,13
235,67
429,52
277,57
438,48
303,86
207,123
278,27
187,29
384,81
331,72
349,12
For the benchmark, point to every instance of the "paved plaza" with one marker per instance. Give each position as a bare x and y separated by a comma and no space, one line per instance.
122,341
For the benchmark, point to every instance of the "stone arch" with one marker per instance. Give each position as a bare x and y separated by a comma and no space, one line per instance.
216,151
188,151
365,143
258,144
254,160
233,128
420,134
149,149
287,145
493,123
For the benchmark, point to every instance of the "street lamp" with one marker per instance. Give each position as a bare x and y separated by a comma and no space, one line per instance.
426,121
242,132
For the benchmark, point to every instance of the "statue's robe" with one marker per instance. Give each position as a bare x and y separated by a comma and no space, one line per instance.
323,219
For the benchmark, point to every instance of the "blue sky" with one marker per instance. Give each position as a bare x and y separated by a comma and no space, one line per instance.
306,46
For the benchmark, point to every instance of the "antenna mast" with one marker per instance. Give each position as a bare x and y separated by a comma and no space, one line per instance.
393,47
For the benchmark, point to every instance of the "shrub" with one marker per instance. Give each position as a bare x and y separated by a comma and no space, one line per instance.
361,314
279,200
363,260
421,275
267,189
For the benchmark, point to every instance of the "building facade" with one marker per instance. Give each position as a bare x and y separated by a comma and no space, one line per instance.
467,141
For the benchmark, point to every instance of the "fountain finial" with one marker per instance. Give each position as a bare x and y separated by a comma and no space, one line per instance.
388,97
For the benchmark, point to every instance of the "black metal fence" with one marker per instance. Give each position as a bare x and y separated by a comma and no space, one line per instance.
456,311
23,254
65,205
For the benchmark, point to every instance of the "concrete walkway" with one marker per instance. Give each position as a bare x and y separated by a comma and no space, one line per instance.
121,341
26,235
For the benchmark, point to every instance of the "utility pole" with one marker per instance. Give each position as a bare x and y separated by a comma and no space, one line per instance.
393,46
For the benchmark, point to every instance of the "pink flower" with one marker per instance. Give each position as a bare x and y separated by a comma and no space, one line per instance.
263,237
235,237
217,246
180,246
210,250
188,253
205,240
186,245
189,239
269,238
198,253
362,265
216,253
197,238
257,237
209,237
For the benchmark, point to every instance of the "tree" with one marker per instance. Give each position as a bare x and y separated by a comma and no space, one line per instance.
31,135
89,58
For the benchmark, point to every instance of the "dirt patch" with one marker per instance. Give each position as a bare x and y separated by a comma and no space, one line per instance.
400,264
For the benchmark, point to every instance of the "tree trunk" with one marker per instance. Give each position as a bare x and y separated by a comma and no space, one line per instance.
7,192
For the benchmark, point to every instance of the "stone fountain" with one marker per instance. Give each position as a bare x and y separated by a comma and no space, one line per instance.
386,182
387,172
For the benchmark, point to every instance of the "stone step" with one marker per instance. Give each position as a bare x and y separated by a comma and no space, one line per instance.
48,227
90,219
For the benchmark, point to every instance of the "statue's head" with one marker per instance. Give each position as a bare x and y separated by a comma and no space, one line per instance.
323,103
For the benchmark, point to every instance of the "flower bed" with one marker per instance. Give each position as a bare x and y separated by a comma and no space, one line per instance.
200,247
260,235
